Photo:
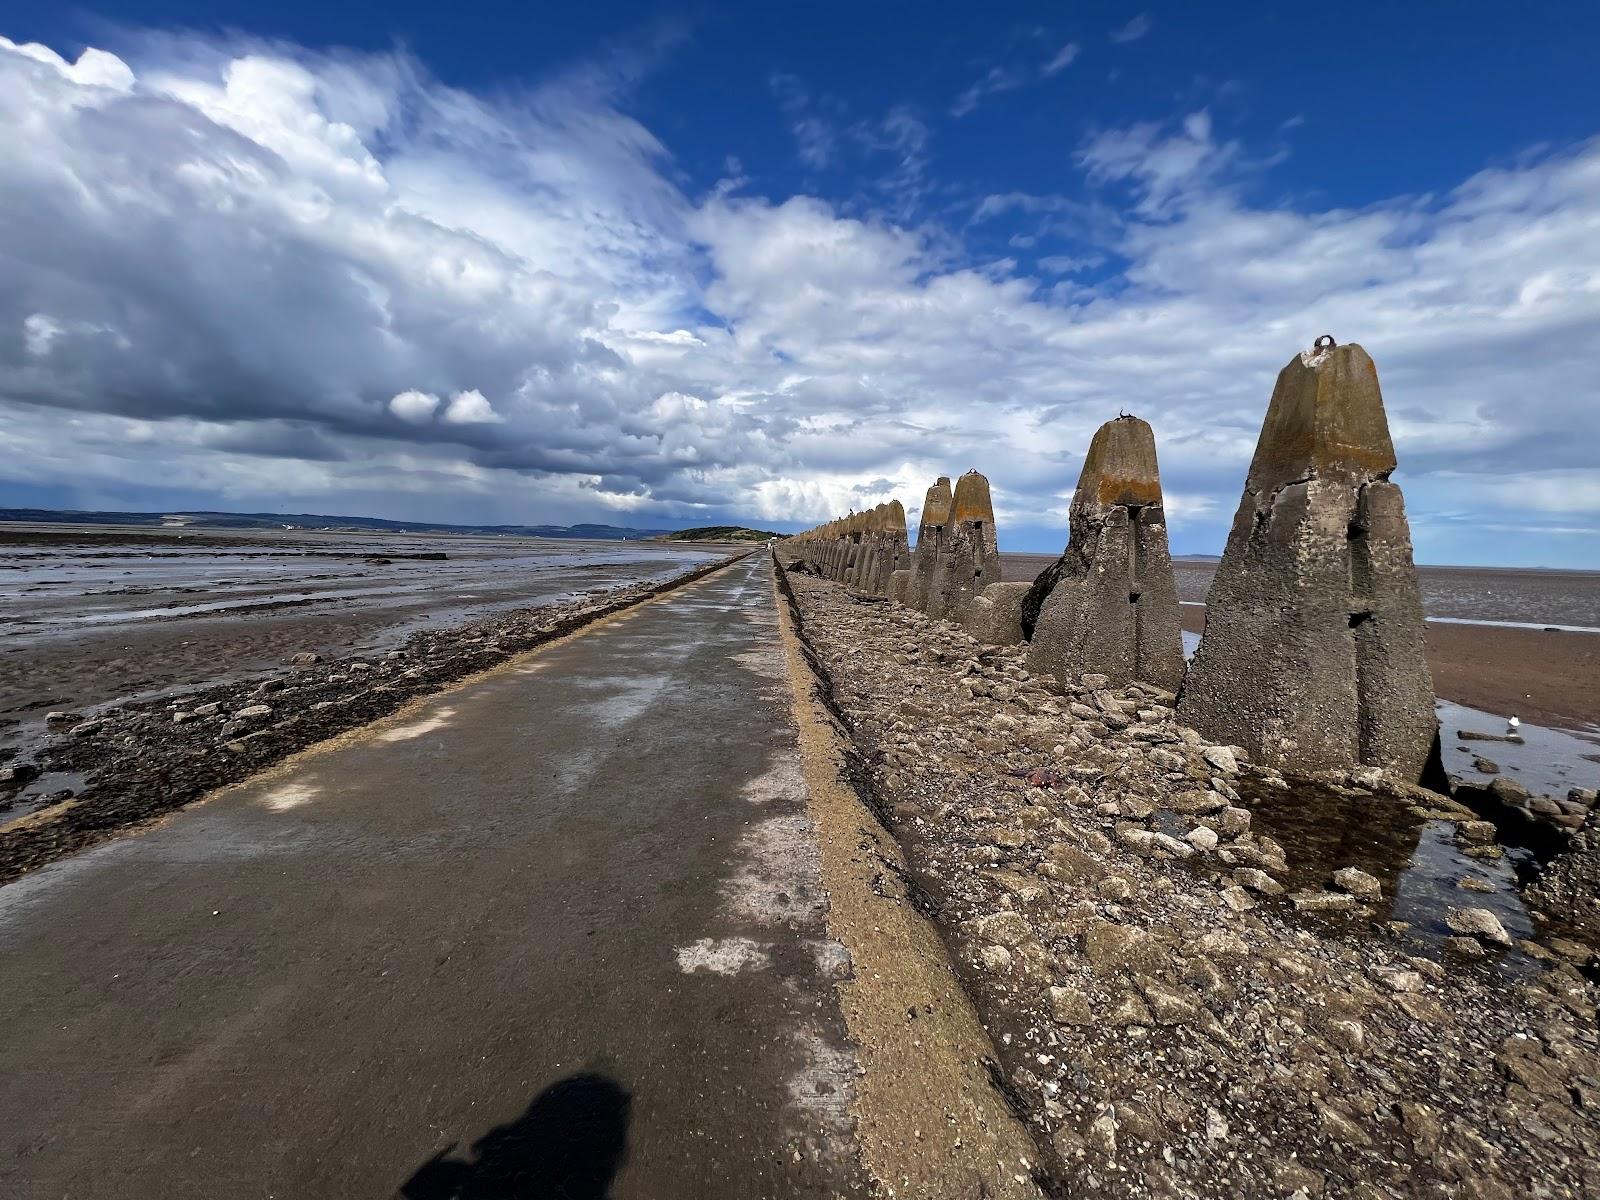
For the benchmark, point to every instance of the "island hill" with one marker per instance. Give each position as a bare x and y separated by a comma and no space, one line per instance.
720,533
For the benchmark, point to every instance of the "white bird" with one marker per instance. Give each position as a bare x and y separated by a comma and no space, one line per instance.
1512,723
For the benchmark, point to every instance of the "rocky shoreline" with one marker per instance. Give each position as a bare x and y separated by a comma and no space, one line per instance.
132,763
1170,1018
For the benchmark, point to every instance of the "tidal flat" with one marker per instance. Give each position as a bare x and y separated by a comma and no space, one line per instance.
94,617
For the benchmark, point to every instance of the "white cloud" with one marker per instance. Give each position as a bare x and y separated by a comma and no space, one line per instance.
38,331
1133,30
416,407
1063,58
993,81
813,134
94,68
470,408
1165,165
999,79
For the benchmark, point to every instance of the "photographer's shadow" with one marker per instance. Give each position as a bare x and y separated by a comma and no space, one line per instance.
569,1145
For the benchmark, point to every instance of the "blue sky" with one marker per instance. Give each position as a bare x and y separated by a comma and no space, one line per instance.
667,264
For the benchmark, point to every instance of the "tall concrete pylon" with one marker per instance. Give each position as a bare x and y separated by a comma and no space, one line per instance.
888,551
1314,656
968,555
1109,605
930,533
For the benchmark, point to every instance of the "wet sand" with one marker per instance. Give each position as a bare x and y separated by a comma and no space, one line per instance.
1544,676
94,614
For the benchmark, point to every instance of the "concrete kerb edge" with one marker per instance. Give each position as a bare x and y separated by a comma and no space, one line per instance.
929,1119
567,630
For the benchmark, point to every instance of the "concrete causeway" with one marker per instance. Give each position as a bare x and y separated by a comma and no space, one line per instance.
558,927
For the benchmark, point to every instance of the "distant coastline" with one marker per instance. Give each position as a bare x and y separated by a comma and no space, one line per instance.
317,522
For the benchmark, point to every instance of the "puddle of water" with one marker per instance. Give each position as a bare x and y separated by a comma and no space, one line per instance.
40,792
1417,860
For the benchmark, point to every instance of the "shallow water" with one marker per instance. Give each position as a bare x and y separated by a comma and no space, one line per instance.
1548,763
1416,859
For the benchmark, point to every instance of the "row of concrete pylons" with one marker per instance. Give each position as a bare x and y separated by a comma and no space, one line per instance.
1313,656
862,550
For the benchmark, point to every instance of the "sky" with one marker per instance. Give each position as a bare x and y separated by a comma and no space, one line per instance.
675,264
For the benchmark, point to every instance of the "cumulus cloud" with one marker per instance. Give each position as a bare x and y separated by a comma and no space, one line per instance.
252,272
470,408
414,406
94,68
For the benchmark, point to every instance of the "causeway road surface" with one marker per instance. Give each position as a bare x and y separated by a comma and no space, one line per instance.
557,932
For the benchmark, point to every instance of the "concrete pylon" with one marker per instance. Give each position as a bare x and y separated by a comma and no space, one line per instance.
930,533
888,547
1314,656
1110,603
899,557
857,530
841,549
968,558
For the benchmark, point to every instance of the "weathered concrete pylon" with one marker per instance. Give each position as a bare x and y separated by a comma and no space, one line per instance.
887,552
850,543
930,532
901,559
1313,656
968,555
842,529
868,532
1110,603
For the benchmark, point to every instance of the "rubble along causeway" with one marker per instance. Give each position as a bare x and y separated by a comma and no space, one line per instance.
1171,1017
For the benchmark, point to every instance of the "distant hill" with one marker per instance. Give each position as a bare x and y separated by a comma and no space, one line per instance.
224,520
720,533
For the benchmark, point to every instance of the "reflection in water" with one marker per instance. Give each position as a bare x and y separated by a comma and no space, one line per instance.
570,1144
1417,860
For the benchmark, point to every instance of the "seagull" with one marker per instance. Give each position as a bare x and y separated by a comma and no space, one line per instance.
1512,723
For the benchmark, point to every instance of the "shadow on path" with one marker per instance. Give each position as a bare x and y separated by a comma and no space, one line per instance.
569,1145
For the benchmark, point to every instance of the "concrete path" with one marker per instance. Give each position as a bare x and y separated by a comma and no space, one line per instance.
555,933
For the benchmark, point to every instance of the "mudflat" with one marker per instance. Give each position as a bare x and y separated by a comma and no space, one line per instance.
92,614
